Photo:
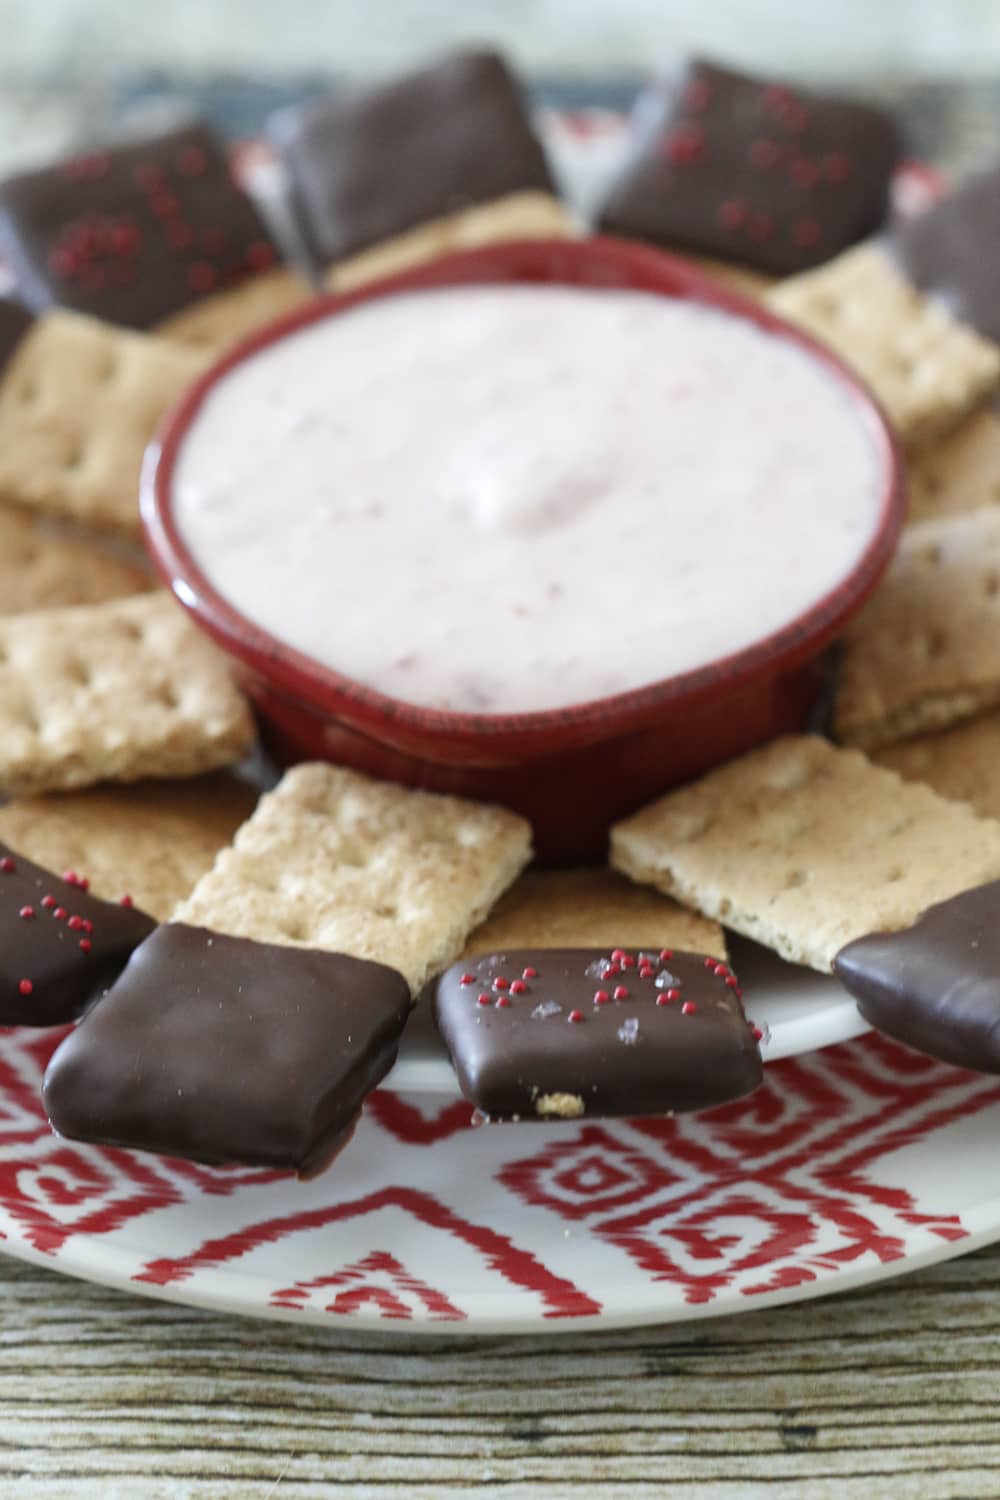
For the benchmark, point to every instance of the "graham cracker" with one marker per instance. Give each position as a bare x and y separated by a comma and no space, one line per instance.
530,215
332,859
924,653
962,764
114,692
41,569
590,909
214,324
151,841
804,847
927,369
79,401
958,473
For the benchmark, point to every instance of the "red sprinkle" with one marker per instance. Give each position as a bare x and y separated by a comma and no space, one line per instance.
192,161
88,926
836,166
126,901
485,999
517,986
720,971
201,276
60,914
25,987
48,902
260,255
688,1008
732,214
610,971
732,982
165,205
666,953
805,231
710,963
628,962
500,983
503,1000
467,979
646,972
75,923
125,239
529,973
575,1016
621,993
85,945
618,955
685,145
804,173
601,997
757,1033
27,912
765,153
7,865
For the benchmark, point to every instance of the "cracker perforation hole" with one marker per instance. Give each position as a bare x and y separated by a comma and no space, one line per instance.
73,456
991,585
931,556
794,879
896,873
935,645
28,393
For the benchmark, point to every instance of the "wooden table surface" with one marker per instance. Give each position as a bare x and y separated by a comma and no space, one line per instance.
883,1394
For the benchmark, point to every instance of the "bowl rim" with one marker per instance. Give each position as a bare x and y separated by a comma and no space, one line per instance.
598,261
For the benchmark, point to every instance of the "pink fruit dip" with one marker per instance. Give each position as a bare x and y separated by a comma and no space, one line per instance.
506,498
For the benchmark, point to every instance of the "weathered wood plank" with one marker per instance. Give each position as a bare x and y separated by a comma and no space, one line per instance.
890,1391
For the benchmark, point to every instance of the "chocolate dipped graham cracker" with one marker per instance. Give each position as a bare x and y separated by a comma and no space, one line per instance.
114,692
79,402
564,1032
804,847
60,947
124,852
371,165
948,251
935,985
133,233
924,653
751,170
251,1026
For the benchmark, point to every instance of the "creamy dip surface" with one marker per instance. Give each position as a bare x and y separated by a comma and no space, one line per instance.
510,497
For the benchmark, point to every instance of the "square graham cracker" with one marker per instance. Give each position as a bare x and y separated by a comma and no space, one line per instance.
40,568
79,402
962,764
924,653
590,909
804,847
958,473
531,215
927,369
334,860
114,692
151,841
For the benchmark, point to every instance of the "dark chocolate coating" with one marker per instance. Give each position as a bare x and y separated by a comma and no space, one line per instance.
624,1057
132,233
224,1050
44,950
935,985
15,320
371,164
951,251
752,171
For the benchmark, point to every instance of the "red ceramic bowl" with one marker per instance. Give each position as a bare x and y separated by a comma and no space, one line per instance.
573,770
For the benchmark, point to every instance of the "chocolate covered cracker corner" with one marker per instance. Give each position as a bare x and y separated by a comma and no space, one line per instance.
369,165
134,232
60,947
288,972
935,985
542,1033
752,170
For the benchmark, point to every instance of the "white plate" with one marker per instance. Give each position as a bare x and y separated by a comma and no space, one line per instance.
797,1009
847,1166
